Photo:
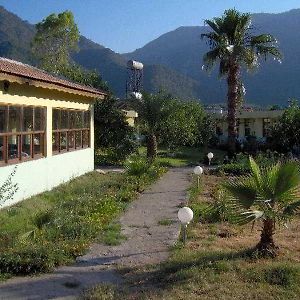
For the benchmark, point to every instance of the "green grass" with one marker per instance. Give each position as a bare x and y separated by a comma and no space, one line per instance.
165,222
212,266
112,235
185,156
55,227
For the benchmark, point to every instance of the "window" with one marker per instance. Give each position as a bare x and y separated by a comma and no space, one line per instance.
22,133
71,130
238,127
247,127
266,127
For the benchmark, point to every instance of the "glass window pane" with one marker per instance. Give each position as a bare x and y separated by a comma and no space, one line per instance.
86,138
3,123
26,145
38,144
63,141
78,139
28,118
39,118
64,119
86,119
55,142
1,149
72,115
56,119
79,119
12,147
14,119
71,140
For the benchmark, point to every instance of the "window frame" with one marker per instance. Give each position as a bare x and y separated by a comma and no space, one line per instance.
21,134
57,134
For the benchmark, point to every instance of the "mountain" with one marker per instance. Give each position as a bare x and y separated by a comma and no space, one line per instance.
273,83
173,61
16,36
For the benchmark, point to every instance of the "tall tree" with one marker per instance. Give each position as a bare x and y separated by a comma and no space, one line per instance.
183,124
80,75
56,37
233,46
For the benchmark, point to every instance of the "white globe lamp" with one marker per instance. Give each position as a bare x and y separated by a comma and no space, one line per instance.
185,216
198,171
210,156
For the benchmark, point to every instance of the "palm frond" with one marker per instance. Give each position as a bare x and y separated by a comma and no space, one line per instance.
292,208
255,171
287,181
262,39
242,192
267,51
210,58
213,25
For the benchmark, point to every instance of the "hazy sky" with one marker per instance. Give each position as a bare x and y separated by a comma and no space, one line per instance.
124,25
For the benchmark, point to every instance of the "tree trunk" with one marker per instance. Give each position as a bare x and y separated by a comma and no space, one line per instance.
232,102
151,146
266,247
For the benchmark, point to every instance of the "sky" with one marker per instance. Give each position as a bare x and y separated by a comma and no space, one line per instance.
125,25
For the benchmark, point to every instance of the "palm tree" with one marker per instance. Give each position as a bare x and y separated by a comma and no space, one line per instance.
151,111
233,46
267,194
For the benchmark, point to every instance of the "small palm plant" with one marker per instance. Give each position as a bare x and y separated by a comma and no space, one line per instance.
268,194
137,167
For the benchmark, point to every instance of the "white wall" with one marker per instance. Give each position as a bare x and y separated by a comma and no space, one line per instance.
36,176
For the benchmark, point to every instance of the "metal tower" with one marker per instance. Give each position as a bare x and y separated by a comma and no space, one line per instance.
134,81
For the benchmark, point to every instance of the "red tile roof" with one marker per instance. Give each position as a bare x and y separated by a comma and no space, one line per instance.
19,69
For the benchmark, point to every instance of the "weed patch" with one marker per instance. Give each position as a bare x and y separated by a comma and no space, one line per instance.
55,227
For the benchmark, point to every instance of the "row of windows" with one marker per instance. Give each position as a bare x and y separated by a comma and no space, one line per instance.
23,132
21,118
70,119
267,125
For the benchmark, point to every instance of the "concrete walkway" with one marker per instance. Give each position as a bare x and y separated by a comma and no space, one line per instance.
147,243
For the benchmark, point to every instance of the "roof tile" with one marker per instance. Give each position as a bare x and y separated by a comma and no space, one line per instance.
19,69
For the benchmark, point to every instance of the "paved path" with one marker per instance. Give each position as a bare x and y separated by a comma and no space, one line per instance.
147,243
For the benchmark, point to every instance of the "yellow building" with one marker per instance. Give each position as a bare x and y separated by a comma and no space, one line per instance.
130,116
46,128
249,123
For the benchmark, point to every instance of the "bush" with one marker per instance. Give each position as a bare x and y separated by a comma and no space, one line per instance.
137,166
240,166
31,258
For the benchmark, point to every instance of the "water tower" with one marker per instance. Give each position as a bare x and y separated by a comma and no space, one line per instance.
134,81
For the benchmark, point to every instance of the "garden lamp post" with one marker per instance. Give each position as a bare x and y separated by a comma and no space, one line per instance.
198,171
210,156
185,216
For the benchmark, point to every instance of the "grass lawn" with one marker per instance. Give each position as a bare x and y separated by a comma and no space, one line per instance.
215,264
185,156
55,227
